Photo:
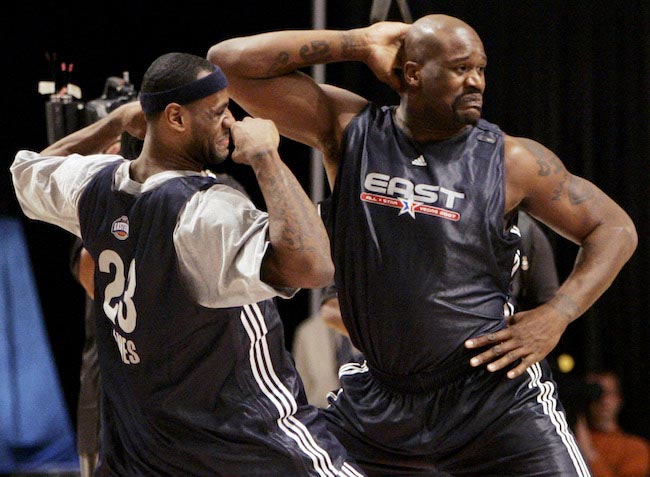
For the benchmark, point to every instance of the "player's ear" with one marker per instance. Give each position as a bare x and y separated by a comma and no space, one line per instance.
174,116
411,74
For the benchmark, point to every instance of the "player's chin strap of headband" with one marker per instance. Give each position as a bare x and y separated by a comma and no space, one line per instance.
200,88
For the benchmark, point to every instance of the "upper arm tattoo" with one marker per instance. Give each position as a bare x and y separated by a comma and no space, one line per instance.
557,192
577,190
544,168
547,161
281,65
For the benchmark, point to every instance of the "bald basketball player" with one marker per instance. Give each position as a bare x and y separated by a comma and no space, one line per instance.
424,200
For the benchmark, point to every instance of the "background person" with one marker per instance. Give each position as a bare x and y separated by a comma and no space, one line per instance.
609,450
321,345
536,280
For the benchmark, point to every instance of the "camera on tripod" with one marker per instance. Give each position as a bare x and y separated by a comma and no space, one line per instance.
64,114
117,91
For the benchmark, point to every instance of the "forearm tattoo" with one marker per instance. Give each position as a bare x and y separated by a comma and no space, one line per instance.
286,207
317,51
349,45
566,306
282,210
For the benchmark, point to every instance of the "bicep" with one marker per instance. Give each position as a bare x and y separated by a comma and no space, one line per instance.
303,110
570,205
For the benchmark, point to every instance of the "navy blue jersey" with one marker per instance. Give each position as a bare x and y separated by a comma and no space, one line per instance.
418,237
424,255
187,390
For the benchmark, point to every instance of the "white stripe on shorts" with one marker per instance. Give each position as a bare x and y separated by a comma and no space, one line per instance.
549,404
352,368
270,384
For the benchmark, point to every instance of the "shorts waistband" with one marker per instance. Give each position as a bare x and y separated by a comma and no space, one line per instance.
427,381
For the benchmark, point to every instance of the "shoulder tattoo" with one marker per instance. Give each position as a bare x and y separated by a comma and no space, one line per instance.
547,161
577,190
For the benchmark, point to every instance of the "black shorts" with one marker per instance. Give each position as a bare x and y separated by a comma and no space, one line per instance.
482,424
297,445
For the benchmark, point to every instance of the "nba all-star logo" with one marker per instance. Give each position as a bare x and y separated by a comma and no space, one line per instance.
410,198
120,228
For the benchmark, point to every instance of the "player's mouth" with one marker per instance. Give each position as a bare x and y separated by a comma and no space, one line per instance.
472,100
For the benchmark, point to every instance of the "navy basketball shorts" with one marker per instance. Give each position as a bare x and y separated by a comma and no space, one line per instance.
295,445
481,424
304,447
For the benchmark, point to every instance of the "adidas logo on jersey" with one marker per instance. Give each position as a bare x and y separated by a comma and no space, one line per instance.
419,161
487,137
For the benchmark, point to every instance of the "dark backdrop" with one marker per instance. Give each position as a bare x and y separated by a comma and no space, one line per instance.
568,74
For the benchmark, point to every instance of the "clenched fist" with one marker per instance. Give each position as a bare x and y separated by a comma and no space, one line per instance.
253,138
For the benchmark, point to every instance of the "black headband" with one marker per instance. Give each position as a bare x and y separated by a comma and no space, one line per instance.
206,86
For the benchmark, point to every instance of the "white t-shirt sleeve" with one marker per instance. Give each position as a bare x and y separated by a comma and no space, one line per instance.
220,240
48,188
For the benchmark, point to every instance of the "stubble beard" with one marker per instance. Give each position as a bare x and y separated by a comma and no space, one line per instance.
469,116
464,119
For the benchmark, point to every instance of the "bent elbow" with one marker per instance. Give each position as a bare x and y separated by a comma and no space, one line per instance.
632,237
322,275
224,55
624,236
313,273
306,272
213,54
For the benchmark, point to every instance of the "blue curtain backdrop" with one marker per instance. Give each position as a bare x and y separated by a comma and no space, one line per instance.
35,429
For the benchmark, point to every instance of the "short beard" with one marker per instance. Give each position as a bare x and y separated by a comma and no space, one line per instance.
465,119
215,159
215,155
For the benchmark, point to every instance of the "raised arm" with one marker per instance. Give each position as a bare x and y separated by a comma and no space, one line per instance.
48,186
299,254
96,137
538,182
263,77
